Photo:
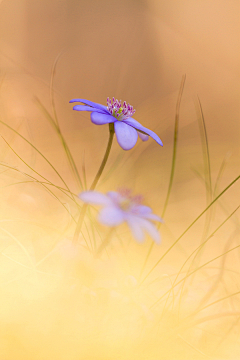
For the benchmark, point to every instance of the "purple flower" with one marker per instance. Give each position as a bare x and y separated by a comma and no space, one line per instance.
126,128
121,206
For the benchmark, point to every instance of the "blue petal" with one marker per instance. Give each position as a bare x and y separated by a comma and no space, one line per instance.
114,196
95,198
146,212
135,225
111,216
151,230
143,210
143,137
126,135
99,118
87,108
134,123
154,217
90,103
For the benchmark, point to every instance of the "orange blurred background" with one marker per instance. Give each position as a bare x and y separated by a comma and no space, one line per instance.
138,51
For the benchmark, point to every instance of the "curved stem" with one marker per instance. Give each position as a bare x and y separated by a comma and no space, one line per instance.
95,181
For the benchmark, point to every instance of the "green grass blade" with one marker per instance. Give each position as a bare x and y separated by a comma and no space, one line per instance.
84,172
8,126
65,191
201,245
205,147
175,140
62,139
19,244
199,268
189,227
207,174
216,302
35,170
41,183
196,251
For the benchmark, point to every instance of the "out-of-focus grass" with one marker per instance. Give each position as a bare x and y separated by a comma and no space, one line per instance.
58,301
175,141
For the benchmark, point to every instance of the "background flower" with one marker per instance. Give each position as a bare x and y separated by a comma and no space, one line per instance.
121,206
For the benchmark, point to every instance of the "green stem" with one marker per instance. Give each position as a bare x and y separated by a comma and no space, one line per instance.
95,181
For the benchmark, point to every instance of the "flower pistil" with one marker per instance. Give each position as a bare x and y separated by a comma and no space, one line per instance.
118,110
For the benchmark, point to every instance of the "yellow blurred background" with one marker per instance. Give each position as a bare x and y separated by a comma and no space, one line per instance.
57,301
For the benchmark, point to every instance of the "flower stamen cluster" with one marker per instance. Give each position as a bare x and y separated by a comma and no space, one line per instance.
118,110
126,128
127,199
121,206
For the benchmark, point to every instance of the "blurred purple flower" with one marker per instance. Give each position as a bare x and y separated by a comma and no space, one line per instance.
121,206
126,128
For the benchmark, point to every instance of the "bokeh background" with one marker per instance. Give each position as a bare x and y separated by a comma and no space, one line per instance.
57,301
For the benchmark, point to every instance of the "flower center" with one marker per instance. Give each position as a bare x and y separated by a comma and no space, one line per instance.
118,110
128,201
125,204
